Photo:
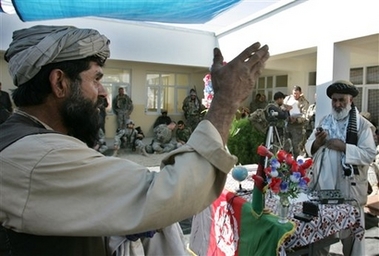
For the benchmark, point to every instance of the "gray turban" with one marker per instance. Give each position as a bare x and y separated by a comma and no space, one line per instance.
342,87
37,46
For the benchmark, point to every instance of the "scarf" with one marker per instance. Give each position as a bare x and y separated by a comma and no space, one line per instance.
347,131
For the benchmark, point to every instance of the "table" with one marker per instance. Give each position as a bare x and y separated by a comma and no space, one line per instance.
215,231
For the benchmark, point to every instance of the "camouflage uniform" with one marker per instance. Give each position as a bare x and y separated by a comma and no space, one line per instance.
182,135
192,111
311,119
296,130
281,122
101,143
129,137
162,139
123,107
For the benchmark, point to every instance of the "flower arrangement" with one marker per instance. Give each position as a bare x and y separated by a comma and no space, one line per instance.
208,89
285,176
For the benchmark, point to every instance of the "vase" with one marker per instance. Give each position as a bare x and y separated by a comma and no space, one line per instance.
283,209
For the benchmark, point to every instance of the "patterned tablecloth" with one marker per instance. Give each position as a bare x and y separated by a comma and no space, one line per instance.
332,218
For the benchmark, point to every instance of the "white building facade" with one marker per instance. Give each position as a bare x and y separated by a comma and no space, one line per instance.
312,43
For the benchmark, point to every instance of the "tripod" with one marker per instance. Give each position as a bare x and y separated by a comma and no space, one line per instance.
272,137
273,140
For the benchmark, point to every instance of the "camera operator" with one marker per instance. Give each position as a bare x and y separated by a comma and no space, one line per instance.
278,113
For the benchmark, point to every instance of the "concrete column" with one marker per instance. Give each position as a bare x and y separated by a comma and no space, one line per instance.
333,63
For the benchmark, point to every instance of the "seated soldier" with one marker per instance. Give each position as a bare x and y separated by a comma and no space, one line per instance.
162,138
182,134
162,119
131,137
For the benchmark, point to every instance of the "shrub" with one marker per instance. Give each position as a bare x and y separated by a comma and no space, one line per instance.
244,140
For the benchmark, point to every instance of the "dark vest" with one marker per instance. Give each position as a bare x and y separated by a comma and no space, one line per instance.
22,244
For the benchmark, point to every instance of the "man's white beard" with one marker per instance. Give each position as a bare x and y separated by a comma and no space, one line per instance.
344,112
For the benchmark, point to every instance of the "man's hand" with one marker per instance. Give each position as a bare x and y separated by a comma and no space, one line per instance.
233,83
336,144
319,141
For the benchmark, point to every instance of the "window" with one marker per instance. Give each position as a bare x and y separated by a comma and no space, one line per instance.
358,99
373,103
166,91
112,80
372,76
312,78
269,85
356,75
367,79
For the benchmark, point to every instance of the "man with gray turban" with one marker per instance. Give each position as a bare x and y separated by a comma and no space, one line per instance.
35,47
343,148
61,197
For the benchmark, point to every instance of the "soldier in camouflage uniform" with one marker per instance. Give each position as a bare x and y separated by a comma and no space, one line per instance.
311,118
282,112
123,107
162,138
296,124
182,134
131,138
278,112
193,109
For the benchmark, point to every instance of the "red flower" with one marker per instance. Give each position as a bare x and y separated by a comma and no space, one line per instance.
281,155
263,151
294,166
306,179
267,170
289,159
275,184
307,163
302,171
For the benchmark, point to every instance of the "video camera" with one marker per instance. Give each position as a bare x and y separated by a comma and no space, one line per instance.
274,113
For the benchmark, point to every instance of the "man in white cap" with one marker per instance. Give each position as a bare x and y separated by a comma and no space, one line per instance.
343,148
61,197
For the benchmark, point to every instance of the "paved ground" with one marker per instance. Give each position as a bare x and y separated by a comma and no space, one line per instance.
150,161
372,222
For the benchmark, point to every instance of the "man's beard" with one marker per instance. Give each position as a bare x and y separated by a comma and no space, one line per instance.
81,116
343,113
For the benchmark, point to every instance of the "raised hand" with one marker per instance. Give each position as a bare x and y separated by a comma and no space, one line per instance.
233,83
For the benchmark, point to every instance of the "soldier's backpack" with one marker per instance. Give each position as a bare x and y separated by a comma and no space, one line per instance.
258,119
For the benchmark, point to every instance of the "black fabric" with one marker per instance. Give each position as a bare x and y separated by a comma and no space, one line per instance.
352,130
352,135
18,126
22,244
342,87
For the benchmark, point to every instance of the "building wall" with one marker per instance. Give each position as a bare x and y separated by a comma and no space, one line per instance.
326,37
133,41
138,90
304,24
